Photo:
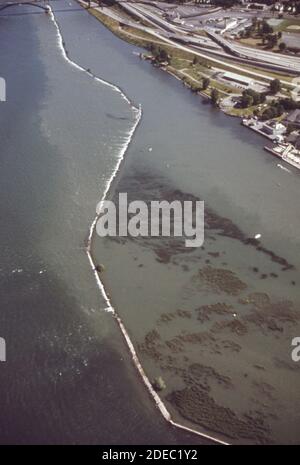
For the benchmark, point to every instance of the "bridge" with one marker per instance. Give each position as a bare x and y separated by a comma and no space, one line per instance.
37,3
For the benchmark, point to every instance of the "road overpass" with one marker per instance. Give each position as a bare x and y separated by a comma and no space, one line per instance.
290,64
242,54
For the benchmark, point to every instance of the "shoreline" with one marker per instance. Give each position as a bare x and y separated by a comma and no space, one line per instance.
188,81
88,246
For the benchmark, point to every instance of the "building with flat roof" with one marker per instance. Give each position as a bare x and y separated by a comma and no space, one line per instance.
243,81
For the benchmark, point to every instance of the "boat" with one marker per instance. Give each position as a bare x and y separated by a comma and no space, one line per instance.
286,152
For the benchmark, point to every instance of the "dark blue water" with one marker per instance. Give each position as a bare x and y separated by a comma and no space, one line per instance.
68,378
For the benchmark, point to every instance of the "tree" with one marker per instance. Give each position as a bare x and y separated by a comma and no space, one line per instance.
282,46
272,40
268,114
290,128
289,104
263,97
276,109
246,101
251,97
226,3
280,109
154,49
255,23
160,55
247,32
215,95
266,28
205,83
163,55
275,86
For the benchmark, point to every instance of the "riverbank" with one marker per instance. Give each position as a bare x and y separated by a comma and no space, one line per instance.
196,74
145,40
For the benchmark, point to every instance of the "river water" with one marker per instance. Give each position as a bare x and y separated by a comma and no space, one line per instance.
216,323
68,377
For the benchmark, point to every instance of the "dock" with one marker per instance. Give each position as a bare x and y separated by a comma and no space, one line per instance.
287,153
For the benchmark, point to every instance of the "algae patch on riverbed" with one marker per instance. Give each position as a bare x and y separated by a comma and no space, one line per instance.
211,322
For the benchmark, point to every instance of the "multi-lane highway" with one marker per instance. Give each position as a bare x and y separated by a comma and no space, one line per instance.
291,64
175,36
227,48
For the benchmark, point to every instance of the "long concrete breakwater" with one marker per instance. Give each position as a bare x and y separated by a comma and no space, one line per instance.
88,248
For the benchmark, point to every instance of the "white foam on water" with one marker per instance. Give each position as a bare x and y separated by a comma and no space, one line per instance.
283,168
60,43
17,270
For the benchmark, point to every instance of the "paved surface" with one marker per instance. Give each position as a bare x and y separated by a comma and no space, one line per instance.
194,44
280,61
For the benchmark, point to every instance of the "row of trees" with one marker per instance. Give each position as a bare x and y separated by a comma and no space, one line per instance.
251,98
278,107
273,111
226,3
262,29
289,104
291,6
